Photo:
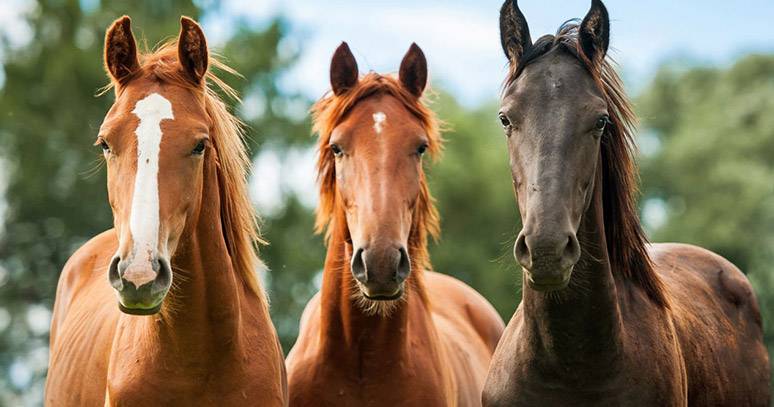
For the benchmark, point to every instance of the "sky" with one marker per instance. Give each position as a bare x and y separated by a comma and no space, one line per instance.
461,41
461,38
462,44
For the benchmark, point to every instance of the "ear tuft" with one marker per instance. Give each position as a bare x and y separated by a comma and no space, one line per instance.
192,50
514,32
594,32
413,70
120,50
344,73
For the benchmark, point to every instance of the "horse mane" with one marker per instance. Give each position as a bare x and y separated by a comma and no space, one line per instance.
329,112
238,219
626,240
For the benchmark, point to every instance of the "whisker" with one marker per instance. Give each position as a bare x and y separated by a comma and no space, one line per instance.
371,307
94,168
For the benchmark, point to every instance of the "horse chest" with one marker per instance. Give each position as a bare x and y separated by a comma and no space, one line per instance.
347,393
354,382
189,375
520,387
154,389
520,376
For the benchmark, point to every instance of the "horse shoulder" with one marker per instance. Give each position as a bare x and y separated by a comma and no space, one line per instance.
454,299
92,257
306,343
82,326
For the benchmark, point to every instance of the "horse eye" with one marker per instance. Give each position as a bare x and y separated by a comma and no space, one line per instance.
103,144
421,150
602,122
199,149
337,151
504,120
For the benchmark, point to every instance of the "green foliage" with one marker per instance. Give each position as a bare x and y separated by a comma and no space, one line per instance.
479,221
296,257
714,169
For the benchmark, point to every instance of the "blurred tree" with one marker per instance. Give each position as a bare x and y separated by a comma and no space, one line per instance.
296,257
712,169
56,195
479,220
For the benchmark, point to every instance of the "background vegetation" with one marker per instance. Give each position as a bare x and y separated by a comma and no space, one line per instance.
708,172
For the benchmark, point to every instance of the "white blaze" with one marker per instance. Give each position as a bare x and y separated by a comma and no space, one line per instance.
144,218
379,118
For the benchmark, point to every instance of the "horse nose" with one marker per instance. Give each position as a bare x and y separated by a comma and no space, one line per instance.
136,273
358,266
549,255
381,271
141,287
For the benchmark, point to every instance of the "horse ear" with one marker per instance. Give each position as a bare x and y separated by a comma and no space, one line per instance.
594,32
192,50
514,31
343,70
413,70
120,50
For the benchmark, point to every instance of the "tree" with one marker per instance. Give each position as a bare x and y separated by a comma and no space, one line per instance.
479,219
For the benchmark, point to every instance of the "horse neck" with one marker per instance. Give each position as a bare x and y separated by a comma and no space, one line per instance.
585,315
209,305
348,333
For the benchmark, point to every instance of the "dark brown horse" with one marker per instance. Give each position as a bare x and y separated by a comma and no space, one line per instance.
385,330
606,318
185,322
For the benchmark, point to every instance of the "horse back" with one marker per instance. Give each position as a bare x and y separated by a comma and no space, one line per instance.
718,324
82,326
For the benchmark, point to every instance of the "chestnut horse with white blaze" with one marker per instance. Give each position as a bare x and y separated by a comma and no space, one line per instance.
605,317
186,321
384,330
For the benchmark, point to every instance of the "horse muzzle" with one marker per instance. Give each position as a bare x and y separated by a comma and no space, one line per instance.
380,272
141,286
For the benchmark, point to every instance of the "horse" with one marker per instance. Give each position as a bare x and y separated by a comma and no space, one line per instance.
385,329
606,318
166,307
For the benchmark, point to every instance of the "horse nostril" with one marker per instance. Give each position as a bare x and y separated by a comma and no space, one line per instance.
156,264
114,275
404,266
358,266
163,273
571,252
521,251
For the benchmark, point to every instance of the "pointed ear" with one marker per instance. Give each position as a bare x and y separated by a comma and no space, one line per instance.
192,50
120,50
514,32
413,70
594,32
343,70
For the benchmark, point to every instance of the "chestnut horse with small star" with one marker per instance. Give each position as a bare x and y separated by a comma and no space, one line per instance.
384,330
186,321
606,318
